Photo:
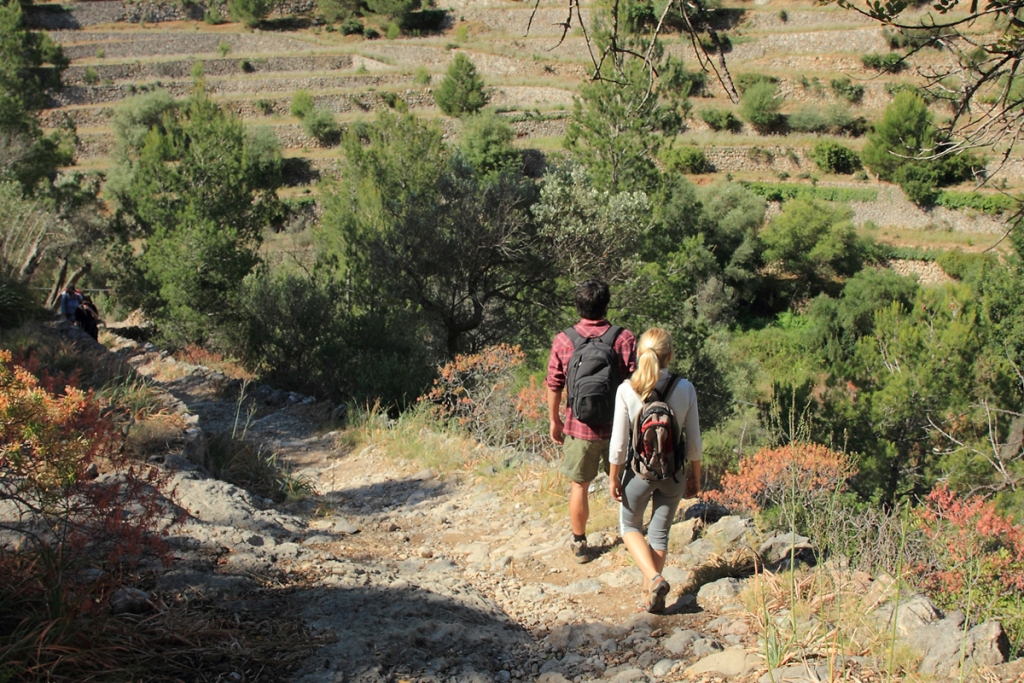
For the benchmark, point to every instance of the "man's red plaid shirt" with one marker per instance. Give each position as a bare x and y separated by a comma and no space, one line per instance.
561,351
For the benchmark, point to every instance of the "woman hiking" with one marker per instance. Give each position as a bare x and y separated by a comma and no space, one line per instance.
652,381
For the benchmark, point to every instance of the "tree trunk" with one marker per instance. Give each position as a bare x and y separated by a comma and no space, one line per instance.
58,284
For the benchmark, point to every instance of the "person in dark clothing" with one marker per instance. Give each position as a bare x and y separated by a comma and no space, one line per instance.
88,317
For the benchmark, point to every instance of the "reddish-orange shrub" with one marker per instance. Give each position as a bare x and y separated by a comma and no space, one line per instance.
71,502
978,558
772,475
475,392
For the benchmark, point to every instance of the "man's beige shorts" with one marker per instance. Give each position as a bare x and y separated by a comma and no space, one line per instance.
582,459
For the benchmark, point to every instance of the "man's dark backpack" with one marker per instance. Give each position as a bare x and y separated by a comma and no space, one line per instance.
655,450
593,376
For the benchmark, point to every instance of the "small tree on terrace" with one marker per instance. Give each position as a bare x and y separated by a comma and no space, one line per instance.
197,196
462,90
250,12
904,133
418,230
814,243
620,124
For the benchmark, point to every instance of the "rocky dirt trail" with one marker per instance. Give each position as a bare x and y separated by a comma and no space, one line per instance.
401,573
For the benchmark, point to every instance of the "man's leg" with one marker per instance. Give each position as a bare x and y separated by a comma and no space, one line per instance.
581,461
579,507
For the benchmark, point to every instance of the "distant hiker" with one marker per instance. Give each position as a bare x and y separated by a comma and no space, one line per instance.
69,302
655,432
589,359
88,317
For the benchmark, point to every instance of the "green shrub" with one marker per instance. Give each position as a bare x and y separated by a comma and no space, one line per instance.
250,12
783,16
778,192
760,106
100,53
265,106
815,242
919,182
486,143
961,265
351,26
302,104
462,90
810,119
719,119
890,62
245,66
903,133
338,10
393,31
370,33
992,204
422,76
322,125
394,101
427,21
743,82
213,15
833,157
91,77
396,9
299,331
848,90
687,159
223,48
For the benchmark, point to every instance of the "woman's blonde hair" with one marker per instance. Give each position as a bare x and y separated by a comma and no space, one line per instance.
653,352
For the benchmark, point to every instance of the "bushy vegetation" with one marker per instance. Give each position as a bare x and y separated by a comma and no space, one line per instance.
833,157
846,89
171,200
760,106
747,80
992,204
68,523
719,119
906,148
834,119
250,12
462,90
778,192
687,159
889,62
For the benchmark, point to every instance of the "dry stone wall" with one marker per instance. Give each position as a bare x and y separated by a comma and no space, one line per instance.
148,44
927,272
102,94
144,71
81,15
893,209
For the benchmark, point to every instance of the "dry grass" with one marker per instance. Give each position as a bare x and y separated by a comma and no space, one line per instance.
824,616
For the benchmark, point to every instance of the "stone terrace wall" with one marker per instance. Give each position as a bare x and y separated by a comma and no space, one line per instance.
81,15
927,272
892,208
110,94
143,71
147,44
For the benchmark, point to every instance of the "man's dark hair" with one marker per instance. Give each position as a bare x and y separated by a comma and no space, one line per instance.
592,299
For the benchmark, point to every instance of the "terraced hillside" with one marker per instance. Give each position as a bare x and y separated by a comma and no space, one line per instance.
119,49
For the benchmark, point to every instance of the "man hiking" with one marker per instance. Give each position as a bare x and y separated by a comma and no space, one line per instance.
589,360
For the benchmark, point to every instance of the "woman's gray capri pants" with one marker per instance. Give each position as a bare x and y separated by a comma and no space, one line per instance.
637,492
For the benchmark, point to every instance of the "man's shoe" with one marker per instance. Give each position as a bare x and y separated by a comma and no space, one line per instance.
580,551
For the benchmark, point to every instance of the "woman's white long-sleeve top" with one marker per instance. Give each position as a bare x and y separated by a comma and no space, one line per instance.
682,400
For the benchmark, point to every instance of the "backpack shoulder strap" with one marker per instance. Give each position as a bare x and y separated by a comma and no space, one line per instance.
574,336
611,334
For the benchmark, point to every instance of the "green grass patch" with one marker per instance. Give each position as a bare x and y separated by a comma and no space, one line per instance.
781,192
991,204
